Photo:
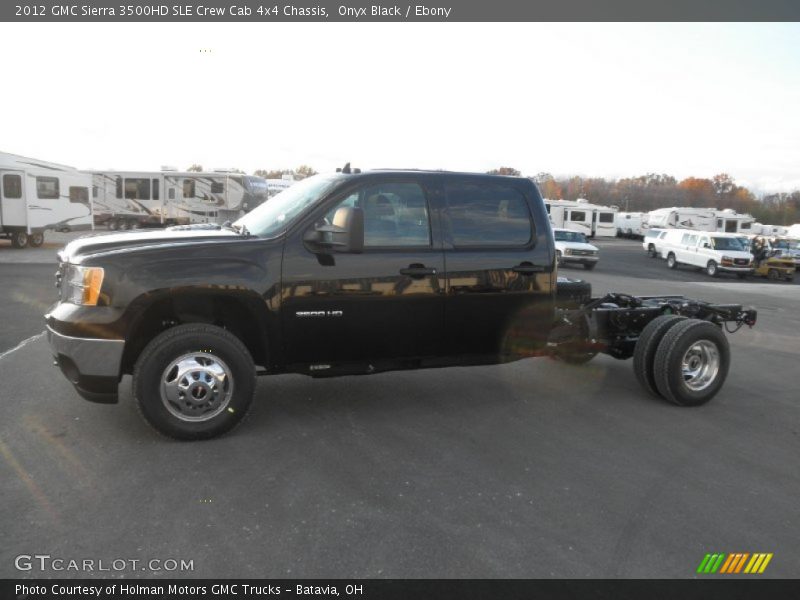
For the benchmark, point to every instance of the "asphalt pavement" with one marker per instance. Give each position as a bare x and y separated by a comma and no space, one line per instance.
530,469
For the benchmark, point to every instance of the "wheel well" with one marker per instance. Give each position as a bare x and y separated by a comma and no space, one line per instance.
237,315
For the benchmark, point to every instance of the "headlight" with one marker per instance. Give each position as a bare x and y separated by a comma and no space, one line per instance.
728,258
567,251
83,285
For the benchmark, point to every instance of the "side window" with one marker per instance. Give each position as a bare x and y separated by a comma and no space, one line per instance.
217,187
155,189
577,215
137,188
685,238
703,242
487,215
395,215
119,187
547,208
12,186
607,217
79,195
47,188
171,193
188,188
692,240
94,191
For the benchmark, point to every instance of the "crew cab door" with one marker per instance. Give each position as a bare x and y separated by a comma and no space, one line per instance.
499,268
383,304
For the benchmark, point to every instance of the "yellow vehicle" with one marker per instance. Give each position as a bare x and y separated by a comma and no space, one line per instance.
775,269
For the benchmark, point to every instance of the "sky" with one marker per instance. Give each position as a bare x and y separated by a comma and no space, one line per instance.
598,99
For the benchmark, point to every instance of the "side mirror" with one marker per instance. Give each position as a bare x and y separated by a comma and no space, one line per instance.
345,234
706,245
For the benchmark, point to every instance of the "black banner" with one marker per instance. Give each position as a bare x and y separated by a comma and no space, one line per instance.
255,11
385,589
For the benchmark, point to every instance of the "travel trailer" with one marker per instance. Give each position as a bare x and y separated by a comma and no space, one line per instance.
127,199
276,186
629,224
769,230
701,219
729,221
37,196
579,215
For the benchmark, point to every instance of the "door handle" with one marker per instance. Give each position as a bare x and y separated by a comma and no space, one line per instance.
417,271
527,268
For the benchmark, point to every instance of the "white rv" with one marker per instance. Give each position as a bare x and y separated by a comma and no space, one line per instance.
699,219
276,186
592,220
125,199
36,196
769,230
729,221
629,224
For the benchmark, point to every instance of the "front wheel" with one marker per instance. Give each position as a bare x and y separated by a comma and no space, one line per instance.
651,250
194,381
773,275
691,363
589,266
711,269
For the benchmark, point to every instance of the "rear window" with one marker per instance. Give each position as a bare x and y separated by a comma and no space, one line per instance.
487,215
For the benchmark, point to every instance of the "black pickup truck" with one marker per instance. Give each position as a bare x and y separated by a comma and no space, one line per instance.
355,273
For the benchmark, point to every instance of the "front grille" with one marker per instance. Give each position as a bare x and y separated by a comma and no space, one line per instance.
741,262
583,252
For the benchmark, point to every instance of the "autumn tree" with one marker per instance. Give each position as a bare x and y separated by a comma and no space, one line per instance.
510,171
304,171
195,168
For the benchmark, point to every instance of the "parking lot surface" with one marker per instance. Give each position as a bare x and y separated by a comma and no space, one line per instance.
531,469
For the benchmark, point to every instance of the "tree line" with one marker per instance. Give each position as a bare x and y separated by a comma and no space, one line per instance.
637,194
656,190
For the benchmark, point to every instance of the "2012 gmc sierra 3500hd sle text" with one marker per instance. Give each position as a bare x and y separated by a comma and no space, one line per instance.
355,273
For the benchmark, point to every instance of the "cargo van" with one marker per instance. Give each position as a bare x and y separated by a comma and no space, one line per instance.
713,252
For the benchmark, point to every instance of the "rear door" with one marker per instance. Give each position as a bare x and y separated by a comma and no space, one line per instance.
383,304
13,209
499,267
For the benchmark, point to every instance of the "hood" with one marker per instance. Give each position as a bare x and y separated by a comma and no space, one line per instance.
577,246
178,236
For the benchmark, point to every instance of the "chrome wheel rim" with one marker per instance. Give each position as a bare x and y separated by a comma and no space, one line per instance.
196,387
700,365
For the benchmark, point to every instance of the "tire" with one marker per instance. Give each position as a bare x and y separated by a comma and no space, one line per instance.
589,266
113,224
202,352
36,240
693,346
671,261
741,275
19,239
572,293
711,269
773,275
651,250
124,225
645,350
559,259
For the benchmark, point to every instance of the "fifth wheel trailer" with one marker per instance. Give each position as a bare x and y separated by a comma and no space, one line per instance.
126,199
36,196
592,220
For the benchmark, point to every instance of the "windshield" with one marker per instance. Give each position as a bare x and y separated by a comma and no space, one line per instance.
570,236
276,214
786,244
724,243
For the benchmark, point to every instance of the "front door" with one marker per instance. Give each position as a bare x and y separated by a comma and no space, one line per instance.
13,210
499,269
383,304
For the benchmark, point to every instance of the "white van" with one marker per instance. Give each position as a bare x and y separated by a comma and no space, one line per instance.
711,251
651,241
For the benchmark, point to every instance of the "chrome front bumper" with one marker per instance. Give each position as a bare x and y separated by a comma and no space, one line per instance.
91,357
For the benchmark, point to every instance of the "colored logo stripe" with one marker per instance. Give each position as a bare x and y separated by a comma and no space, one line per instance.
734,563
